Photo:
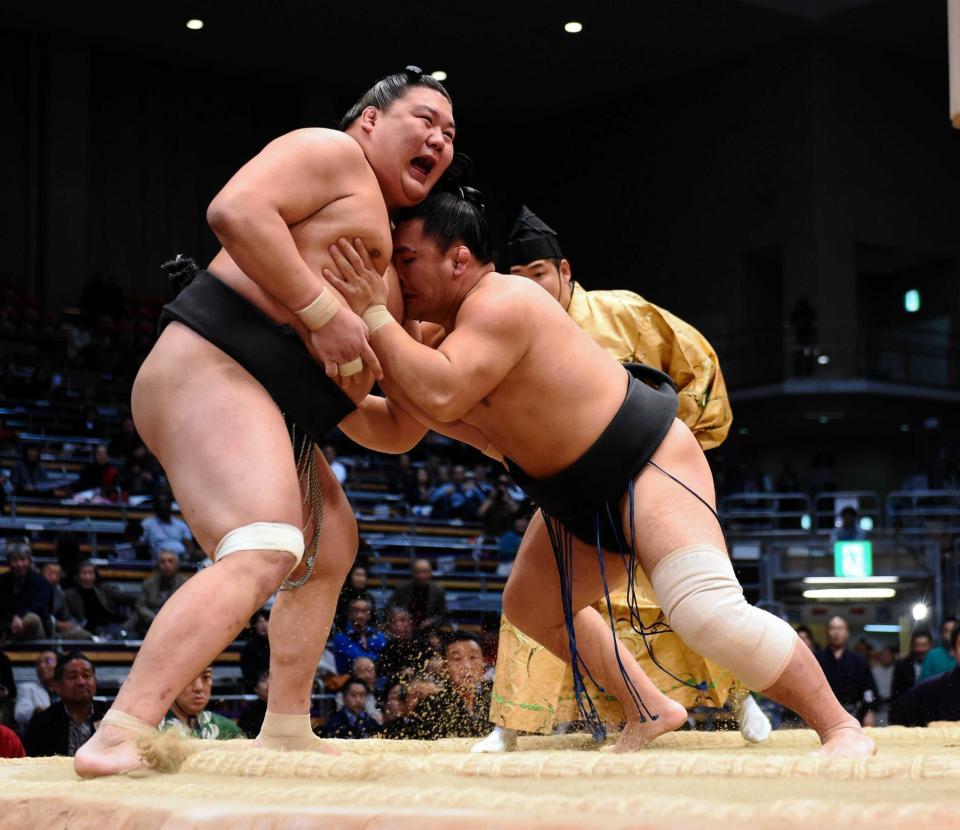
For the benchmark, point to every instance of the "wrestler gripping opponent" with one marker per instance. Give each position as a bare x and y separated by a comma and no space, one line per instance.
533,690
250,341
603,455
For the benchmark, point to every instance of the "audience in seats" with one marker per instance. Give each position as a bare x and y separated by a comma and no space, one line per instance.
251,719
351,719
936,699
358,638
29,476
498,510
37,695
364,669
157,589
459,498
907,670
424,599
190,715
164,531
355,587
255,657
96,608
67,724
403,655
100,474
940,658
62,625
24,596
848,674
10,744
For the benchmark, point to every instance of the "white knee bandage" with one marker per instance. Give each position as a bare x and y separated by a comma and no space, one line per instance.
263,536
704,604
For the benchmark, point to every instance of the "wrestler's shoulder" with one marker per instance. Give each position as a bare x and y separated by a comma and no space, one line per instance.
508,291
325,141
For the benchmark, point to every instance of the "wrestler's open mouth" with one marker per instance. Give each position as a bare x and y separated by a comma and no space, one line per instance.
423,165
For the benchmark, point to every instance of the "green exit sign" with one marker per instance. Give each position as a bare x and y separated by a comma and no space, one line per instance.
853,559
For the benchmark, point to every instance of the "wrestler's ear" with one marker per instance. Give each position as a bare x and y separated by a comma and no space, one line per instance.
565,270
461,258
368,119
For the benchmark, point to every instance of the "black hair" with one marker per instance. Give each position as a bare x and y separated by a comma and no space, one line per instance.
452,216
353,681
954,636
69,658
459,637
391,88
922,632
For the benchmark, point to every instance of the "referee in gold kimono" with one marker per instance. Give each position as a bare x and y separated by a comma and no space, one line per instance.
533,689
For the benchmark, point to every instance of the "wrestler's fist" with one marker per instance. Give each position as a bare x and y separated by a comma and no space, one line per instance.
358,281
341,340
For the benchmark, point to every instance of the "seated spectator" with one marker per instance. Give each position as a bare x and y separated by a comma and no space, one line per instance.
930,700
418,492
907,670
364,669
251,719
95,607
29,477
24,595
255,657
940,658
37,695
461,706
100,474
393,705
339,470
849,530
403,655
67,724
63,624
157,589
141,473
806,635
510,544
412,693
134,542
498,510
354,587
10,745
123,445
425,600
164,531
189,714
8,688
69,556
459,498
352,720
357,638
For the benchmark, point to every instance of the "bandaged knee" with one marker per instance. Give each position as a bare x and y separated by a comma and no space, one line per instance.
263,536
705,606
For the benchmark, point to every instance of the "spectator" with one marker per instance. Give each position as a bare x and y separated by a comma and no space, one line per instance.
806,635
498,510
393,706
123,445
355,587
255,657
358,638
141,473
402,655
68,554
37,695
413,692
848,674
339,470
419,492
930,700
459,709
164,531
29,478
134,541
940,658
424,599
352,720
100,474
8,689
907,670
95,607
10,745
364,669
68,724
883,679
189,714
251,719
63,623
510,544
458,499
849,530
157,589
25,596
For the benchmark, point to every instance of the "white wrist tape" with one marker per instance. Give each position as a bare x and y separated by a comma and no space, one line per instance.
263,536
705,606
320,312
376,316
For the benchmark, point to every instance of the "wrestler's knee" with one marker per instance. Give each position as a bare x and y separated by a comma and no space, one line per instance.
262,552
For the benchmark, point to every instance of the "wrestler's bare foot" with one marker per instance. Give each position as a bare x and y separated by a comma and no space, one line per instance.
636,735
847,741
110,751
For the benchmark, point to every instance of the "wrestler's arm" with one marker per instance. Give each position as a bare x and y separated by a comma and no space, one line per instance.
291,179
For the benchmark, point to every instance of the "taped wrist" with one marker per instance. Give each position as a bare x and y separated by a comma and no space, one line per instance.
376,316
320,312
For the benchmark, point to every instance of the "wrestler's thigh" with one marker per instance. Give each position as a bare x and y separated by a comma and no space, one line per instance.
532,593
666,516
218,435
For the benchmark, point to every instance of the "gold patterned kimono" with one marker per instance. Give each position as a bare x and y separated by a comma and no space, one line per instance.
533,689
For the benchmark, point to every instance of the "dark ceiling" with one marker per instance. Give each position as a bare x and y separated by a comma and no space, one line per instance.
507,58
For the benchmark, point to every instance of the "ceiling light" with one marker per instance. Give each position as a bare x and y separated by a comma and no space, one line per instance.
847,580
823,359
573,27
195,24
438,75
919,611
850,593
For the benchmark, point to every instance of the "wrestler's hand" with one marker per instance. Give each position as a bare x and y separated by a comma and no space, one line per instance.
358,281
340,341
